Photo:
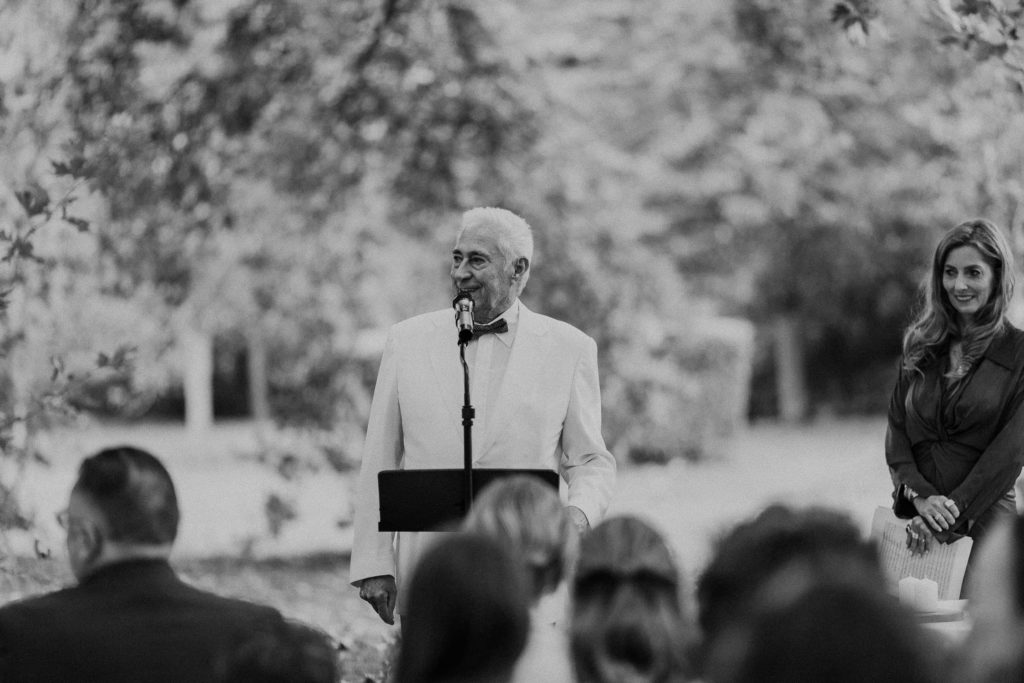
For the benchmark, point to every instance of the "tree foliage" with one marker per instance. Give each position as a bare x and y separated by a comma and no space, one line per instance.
984,29
239,147
806,168
294,170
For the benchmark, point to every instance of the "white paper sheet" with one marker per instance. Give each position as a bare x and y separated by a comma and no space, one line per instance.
943,563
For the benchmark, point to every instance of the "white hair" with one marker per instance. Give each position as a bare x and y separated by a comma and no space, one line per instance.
515,239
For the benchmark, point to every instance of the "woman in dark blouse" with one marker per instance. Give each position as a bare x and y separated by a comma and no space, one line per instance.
955,441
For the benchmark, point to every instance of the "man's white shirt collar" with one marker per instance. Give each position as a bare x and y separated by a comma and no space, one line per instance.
511,318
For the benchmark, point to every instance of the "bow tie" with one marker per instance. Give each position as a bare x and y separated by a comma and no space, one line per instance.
495,326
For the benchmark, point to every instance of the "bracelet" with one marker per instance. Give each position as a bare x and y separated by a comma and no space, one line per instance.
909,493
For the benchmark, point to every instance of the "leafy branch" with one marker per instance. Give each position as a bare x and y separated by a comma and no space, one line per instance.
41,209
985,29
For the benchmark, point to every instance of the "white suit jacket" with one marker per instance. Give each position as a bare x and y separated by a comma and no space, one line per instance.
547,416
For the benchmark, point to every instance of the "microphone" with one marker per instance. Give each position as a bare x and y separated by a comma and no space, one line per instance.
463,305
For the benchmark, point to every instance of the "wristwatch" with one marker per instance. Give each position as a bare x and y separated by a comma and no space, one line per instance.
909,493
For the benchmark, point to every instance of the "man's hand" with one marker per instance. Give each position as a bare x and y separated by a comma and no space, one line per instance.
938,512
579,519
381,592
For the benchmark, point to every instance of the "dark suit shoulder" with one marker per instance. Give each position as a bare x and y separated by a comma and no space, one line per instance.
164,595
137,623
226,604
41,605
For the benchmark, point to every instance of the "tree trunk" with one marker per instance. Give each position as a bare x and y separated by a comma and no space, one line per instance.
790,379
259,400
197,354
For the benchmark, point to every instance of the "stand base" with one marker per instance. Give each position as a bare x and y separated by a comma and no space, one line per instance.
430,500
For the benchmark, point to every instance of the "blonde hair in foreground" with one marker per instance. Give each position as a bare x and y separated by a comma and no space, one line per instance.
526,514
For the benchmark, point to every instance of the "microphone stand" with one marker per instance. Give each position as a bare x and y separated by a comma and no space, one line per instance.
468,413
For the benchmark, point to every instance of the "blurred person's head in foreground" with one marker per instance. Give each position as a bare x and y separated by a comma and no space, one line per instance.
628,622
811,629
292,653
993,652
526,515
467,613
122,507
821,541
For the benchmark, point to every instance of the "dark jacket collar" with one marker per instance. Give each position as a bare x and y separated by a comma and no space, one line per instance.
130,570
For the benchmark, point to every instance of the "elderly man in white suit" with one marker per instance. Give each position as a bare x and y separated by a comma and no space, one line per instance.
534,386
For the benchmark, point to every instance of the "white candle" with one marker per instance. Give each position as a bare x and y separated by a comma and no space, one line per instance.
926,595
908,590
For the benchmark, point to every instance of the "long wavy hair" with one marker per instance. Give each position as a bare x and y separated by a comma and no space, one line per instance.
938,324
628,620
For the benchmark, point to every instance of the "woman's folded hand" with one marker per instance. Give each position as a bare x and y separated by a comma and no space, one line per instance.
919,536
939,512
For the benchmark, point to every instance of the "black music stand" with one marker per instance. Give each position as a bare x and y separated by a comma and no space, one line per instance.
433,500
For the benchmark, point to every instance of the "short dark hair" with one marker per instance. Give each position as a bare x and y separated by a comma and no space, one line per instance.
134,493
821,540
526,515
841,632
466,614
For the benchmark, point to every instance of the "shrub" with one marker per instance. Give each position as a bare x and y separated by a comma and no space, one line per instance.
678,393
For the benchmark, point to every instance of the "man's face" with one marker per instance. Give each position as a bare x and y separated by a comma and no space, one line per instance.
479,267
